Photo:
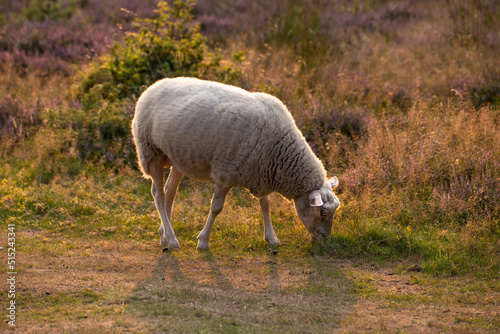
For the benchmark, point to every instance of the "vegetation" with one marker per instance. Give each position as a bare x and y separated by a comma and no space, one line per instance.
168,45
401,100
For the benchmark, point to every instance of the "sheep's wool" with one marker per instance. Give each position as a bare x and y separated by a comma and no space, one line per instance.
211,131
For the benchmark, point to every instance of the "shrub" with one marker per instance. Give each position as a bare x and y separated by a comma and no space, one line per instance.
168,45
41,10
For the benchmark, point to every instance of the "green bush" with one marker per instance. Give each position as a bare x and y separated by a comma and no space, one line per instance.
41,10
168,45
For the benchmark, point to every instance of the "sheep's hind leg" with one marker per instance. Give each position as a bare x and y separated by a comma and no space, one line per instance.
166,232
220,193
173,181
269,234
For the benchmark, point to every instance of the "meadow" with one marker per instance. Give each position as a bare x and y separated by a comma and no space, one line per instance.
399,99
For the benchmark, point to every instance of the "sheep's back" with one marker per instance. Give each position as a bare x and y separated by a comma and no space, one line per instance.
212,131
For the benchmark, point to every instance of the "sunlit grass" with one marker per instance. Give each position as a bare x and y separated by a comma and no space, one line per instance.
102,205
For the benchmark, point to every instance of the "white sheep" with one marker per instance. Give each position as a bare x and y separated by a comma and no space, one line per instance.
212,131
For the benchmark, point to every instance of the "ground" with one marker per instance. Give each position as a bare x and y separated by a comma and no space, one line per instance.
110,286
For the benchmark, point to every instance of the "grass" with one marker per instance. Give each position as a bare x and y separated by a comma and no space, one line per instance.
118,274
398,99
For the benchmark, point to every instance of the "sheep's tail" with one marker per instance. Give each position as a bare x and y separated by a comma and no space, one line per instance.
146,151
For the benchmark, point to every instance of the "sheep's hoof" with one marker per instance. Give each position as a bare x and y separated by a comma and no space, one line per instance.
273,242
202,246
174,244
163,238
166,245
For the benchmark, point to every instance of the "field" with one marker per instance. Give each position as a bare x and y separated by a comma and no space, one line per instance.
399,99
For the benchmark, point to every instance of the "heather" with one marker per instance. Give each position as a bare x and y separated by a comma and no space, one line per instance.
399,99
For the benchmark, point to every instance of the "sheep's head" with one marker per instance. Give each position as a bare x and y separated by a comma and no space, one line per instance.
316,209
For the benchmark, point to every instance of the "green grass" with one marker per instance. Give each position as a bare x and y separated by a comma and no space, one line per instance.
102,205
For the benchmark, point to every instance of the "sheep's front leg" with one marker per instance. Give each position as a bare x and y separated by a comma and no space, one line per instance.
220,193
269,234
166,232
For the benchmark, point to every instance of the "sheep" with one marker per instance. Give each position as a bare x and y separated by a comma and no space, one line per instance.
212,131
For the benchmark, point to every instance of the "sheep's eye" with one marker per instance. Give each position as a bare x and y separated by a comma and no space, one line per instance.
323,213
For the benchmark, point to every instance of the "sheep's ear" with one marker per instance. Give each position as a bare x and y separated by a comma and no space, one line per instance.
333,182
315,198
